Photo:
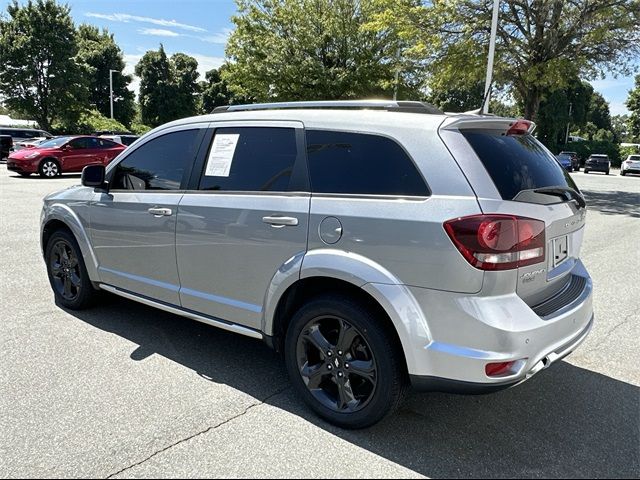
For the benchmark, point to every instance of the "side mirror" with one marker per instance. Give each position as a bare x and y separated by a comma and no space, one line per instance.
93,176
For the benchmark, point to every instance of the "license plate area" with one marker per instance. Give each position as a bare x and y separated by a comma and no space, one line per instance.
560,247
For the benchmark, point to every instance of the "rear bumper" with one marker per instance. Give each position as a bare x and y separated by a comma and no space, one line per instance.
463,333
435,384
597,168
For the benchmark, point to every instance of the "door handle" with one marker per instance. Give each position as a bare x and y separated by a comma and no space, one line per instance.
160,212
279,222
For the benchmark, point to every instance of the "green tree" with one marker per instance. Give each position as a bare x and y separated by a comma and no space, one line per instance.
541,45
215,91
633,104
185,81
40,77
309,49
598,112
553,115
168,87
99,53
458,98
620,124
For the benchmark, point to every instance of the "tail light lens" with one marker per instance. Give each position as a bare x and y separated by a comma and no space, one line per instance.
498,242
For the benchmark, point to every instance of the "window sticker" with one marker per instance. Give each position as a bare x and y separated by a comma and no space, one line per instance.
221,155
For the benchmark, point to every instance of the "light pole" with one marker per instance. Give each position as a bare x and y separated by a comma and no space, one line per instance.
111,89
492,51
566,138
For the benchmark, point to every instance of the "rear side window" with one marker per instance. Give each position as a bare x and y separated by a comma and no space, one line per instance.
517,162
361,164
250,159
159,164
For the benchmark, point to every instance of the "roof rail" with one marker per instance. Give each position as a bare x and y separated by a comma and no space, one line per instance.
389,105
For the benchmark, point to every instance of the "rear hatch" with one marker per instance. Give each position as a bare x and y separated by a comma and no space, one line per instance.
514,174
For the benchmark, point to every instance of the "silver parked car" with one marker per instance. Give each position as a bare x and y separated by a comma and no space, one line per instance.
377,245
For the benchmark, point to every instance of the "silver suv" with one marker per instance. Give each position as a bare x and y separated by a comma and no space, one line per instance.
377,245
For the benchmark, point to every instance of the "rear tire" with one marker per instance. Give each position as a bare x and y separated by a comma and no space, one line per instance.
49,168
622,174
586,171
607,172
67,273
342,363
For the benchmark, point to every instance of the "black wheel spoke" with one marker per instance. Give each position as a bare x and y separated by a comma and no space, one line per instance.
75,280
67,287
56,269
313,375
363,368
73,262
346,337
318,340
346,398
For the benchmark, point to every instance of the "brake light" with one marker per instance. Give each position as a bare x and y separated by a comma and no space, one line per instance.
519,127
498,242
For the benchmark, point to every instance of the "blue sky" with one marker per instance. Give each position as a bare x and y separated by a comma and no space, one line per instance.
200,28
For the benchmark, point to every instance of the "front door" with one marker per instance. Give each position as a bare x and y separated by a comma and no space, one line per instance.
76,154
244,217
133,225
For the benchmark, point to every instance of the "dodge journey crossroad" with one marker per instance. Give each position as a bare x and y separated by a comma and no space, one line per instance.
378,245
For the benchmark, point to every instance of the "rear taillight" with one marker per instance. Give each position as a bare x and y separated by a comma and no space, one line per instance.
498,242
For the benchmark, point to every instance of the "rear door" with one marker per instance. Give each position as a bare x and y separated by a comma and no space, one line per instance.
504,166
244,218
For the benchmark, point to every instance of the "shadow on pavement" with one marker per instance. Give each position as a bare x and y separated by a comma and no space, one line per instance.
565,422
614,202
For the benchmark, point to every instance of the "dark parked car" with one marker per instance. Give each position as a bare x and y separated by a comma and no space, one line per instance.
63,155
597,163
575,160
6,143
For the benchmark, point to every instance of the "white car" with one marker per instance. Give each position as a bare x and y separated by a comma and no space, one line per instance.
121,139
34,142
630,165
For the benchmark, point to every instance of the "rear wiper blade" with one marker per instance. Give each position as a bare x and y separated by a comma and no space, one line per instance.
562,192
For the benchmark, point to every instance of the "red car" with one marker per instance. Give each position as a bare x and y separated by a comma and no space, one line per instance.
63,155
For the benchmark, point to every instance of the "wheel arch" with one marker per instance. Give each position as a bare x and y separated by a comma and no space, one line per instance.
59,216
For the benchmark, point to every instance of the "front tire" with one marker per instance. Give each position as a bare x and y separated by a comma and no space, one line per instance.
25,174
67,272
49,168
586,171
622,173
343,362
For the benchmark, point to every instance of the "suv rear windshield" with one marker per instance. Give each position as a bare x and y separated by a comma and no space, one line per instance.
517,162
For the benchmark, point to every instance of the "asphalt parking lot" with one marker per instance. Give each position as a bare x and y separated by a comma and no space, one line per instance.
125,390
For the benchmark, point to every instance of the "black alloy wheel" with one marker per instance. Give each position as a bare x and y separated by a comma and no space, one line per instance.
65,270
345,361
336,364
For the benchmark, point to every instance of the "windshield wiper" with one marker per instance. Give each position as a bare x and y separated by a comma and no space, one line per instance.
563,192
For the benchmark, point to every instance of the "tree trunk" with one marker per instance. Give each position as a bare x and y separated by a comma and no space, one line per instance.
531,99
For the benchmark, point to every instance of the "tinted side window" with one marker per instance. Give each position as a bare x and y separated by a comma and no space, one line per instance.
250,159
517,162
104,143
158,164
342,162
79,143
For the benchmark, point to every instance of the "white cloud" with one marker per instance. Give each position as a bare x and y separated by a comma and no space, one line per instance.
126,18
618,108
218,38
159,32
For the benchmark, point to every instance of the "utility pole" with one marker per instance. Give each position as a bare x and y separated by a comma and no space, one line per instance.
395,87
492,51
111,90
566,138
